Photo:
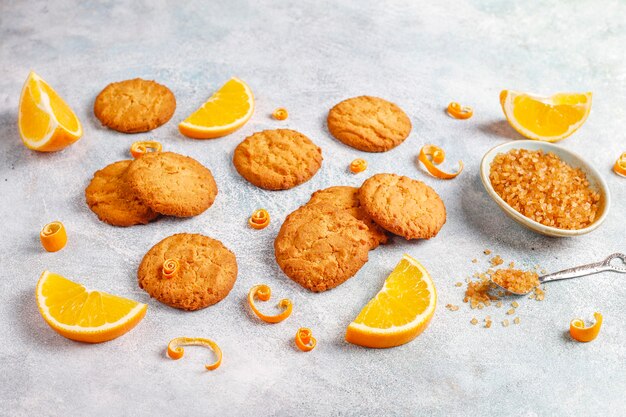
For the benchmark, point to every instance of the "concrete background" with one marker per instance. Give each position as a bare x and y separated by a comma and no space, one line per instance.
307,56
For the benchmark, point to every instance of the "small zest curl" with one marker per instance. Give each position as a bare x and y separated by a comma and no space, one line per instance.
358,165
579,332
170,267
138,149
176,351
260,219
263,293
459,112
620,166
53,236
280,113
305,340
437,156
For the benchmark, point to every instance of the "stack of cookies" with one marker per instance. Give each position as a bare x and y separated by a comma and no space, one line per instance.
325,242
130,192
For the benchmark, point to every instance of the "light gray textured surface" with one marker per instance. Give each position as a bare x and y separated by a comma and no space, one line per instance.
307,56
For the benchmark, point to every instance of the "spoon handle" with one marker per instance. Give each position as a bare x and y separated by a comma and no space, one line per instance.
593,268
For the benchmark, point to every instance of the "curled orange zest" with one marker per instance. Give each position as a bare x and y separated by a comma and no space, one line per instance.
459,112
170,267
305,340
175,349
139,148
280,113
620,165
53,236
437,156
579,332
259,219
263,293
358,165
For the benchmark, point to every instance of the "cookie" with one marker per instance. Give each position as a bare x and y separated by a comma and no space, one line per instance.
206,272
111,198
347,199
369,124
321,247
277,159
403,206
134,106
172,184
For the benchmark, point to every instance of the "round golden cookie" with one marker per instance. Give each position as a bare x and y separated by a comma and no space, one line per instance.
207,271
347,199
111,198
320,247
172,184
369,124
134,106
404,206
277,159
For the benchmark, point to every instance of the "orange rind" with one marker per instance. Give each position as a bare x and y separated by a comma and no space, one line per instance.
457,111
579,332
260,219
53,236
138,149
305,340
358,165
280,113
176,351
263,293
431,156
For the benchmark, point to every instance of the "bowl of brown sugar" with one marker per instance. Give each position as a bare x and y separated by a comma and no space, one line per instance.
545,187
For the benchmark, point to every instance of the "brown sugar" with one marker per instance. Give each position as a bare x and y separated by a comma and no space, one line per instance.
515,280
543,188
496,260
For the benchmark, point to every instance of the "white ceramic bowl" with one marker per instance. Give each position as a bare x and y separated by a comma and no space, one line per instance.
596,182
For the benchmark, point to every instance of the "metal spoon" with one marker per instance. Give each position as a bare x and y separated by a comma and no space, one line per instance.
580,271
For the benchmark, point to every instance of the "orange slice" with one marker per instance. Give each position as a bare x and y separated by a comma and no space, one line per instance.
46,123
83,315
550,119
226,111
399,312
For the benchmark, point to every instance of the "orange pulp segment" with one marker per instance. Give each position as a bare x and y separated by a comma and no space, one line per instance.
400,311
83,315
225,111
45,122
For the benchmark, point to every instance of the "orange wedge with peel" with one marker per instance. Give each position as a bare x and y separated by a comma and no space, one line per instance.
83,315
546,118
400,311
227,110
45,122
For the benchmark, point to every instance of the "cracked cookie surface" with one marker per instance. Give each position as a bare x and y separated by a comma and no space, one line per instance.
347,199
110,197
369,124
207,271
403,206
320,247
277,159
134,106
172,184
